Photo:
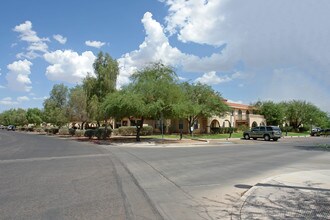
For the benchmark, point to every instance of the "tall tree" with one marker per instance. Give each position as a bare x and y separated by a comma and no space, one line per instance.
300,113
199,100
34,116
77,105
55,107
273,112
152,93
99,86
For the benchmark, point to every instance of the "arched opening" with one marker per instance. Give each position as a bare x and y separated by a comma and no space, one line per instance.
262,124
240,115
254,124
215,126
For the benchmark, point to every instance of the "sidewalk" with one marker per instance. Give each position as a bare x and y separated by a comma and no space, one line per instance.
299,195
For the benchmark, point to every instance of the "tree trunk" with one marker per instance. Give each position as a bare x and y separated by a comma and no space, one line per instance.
138,130
105,130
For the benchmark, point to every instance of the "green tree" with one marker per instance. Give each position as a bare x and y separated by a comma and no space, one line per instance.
152,94
97,88
300,113
56,106
34,116
273,112
77,105
199,100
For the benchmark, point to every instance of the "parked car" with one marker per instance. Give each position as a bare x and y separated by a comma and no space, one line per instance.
2,127
315,132
11,128
265,132
325,132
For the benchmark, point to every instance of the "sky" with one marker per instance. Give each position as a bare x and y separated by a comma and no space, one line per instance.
249,51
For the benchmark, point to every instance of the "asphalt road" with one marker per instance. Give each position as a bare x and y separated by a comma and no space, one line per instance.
44,177
205,181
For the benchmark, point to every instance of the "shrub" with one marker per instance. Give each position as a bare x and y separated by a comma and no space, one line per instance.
79,133
115,131
39,130
127,130
72,131
51,130
146,130
100,133
215,130
63,131
30,129
131,131
89,133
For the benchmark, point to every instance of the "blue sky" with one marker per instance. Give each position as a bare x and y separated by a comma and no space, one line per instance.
247,50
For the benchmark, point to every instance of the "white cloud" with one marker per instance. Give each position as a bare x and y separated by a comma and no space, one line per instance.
40,98
35,43
8,101
96,44
18,75
2,87
60,38
23,98
69,66
155,48
211,78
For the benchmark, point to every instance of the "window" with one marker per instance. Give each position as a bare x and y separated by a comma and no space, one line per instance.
196,125
262,129
255,129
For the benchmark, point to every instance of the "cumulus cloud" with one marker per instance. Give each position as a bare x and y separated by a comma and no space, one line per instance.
40,98
8,101
23,98
96,44
59,38
35,43
69,66
18,75
155,47
254,36
211,78
262,34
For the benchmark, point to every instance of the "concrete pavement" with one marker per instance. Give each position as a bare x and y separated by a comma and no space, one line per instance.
298,195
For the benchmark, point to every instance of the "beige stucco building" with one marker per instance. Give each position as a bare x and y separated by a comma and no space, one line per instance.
241,115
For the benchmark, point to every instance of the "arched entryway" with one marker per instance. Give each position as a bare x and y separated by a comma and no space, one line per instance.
254,124
215,126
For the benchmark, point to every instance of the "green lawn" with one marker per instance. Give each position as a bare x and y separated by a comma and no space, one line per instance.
294,134
201,136
217,136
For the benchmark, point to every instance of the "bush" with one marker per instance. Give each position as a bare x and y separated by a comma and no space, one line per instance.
51,130
147,130
216,130
30,129
98,132
115,131
89,133
63,131
131,131
72,131
39,130
79,133
127,130
225,130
